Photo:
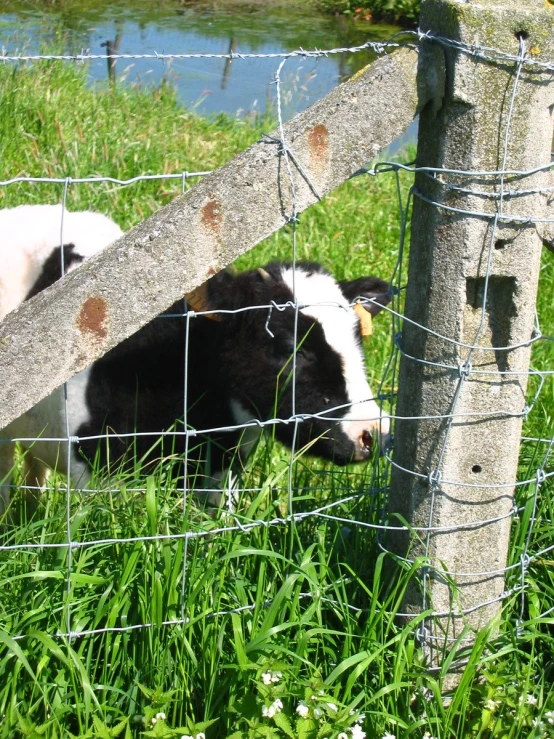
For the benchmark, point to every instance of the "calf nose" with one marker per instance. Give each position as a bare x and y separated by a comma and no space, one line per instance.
380,434
366,443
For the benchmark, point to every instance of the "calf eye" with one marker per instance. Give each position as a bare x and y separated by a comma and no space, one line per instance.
284,349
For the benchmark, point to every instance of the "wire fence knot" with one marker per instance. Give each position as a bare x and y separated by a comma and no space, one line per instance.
423,634
525,561
464,370
434,478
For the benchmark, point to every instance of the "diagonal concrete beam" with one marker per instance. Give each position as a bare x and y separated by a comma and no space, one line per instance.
65,328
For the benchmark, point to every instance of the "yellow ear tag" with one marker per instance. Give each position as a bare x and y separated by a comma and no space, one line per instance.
198,301
366,319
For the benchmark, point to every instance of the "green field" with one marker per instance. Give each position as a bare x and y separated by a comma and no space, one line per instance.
294,621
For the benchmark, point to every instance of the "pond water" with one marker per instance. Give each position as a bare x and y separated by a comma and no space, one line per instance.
241,86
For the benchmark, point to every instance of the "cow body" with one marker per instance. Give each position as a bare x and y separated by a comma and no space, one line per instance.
239,372
35,242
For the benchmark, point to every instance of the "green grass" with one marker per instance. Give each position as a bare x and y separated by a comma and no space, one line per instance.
312,602
121,132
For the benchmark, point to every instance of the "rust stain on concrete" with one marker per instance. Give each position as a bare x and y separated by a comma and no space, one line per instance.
318,143
92,318
212,216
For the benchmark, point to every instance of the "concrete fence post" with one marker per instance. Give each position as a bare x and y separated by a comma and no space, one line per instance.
473,274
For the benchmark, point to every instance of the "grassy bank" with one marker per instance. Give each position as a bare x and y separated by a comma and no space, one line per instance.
297,619
404,12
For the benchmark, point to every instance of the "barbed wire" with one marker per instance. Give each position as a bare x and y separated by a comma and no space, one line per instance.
285,150
378,47
487,53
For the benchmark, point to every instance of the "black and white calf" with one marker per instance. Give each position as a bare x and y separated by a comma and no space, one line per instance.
239,369
29,235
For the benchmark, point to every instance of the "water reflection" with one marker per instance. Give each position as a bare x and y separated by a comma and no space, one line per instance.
210,85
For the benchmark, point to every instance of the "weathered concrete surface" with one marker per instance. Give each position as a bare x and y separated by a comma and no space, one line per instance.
62,330
547,231
448,264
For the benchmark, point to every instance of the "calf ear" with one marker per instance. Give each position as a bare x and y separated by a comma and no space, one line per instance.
379,291
218,292
230,291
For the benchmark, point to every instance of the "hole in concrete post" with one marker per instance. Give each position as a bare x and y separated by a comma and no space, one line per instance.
522,35
476,468
500,243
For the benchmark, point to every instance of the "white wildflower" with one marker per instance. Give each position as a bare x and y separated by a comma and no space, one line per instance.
271,677
201,735
358,732
361,718
531,700
153,720
270,711
491,705
302,710
342,735
332,707
187,736
549,716
318,713
161,716
386,735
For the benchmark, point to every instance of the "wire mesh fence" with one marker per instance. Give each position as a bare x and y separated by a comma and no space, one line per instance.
278,498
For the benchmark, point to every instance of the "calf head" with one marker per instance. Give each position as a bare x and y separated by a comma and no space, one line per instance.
323,383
